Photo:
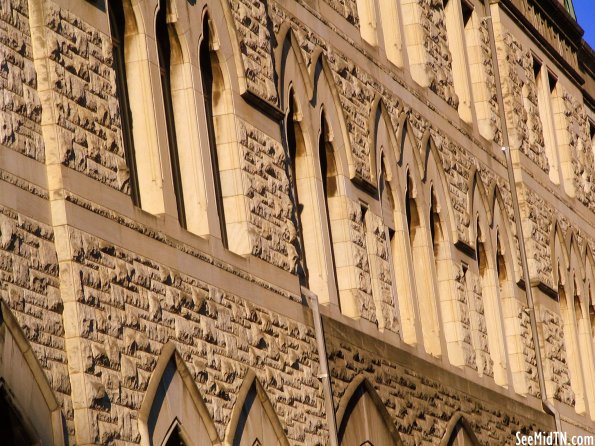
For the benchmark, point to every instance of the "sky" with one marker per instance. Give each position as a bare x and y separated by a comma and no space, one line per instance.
585,14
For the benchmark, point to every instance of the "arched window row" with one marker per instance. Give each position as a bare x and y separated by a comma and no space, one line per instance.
173,413
396,27
418,267
193,118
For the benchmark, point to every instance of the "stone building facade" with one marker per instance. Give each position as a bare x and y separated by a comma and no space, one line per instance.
249,222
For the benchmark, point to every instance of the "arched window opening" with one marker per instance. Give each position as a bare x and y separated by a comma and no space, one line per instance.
213,88
586,355
400,263
117,28
411,210
545,85
423,268
501,265
461,437
363,419
253,419
328,171
567,310
328,165
295,142
165,36
435,225
480,254
490,291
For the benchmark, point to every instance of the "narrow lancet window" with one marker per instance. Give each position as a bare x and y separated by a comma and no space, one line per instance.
117,26
164,50
212,85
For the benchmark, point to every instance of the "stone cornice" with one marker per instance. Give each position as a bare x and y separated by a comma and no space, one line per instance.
564,49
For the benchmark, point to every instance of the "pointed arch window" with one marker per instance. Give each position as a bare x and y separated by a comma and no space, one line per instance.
213,86
487,268
421,255
295,142
568,312
363,419
164,49
328,171
117,28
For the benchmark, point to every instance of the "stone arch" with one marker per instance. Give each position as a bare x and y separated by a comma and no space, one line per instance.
172,401
502,222
186,97
326,97
24,388
289,59
148,131
253,419
308,190
459,433
186,19
218,97
582,320
433,173
483,236
315,266
393,219
565,264
508,275
443,233
362,418
419,238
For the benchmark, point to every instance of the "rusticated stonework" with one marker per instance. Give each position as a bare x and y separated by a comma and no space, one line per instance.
102,290
267,187
20,108
251,20
83,98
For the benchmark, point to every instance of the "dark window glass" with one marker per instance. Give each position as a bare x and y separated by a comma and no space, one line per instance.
209,67
117,25
164,50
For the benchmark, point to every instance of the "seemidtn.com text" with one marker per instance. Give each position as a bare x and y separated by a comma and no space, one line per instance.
554,439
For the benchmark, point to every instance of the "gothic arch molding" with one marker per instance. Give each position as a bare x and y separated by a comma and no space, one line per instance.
479,204
326,98
456,424
379,424
501,222
288,53
433,173
160,409
250,395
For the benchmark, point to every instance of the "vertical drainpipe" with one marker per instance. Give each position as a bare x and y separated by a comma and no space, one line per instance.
547,405
324,374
